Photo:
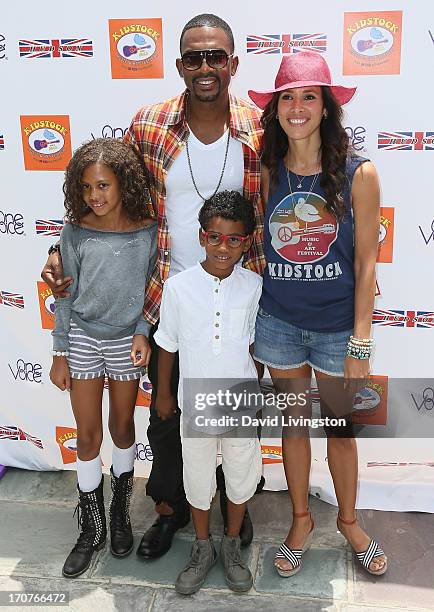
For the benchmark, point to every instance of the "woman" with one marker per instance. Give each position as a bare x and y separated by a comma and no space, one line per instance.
321,241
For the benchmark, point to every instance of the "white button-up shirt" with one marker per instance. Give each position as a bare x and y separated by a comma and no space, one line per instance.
211,322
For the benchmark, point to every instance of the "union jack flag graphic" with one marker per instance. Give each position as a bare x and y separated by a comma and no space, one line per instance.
48,227
406,141
9,432
403,318
56,47
285,43
11,299
2,142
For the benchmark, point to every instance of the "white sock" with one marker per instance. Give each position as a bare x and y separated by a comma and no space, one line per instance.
123,459
89,474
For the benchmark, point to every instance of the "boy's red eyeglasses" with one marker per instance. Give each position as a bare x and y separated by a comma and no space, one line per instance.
214,239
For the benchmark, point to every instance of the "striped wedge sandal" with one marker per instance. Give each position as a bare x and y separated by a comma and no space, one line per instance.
293,555
367,556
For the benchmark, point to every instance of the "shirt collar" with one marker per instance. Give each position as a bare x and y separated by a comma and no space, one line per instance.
239,125
210,277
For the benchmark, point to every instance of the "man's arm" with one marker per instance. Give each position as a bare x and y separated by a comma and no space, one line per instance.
52,273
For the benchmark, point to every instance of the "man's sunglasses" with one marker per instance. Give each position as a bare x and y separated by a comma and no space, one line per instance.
215,58
215,239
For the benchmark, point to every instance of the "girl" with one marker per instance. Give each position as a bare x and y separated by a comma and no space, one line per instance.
321,241
108,248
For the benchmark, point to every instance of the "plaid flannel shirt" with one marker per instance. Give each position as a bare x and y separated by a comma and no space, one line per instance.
160,132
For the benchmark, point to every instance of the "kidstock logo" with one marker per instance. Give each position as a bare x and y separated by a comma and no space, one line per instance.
385,238
66,438
372,42
356,137
136,48
11,224
260,44
428,237
55,47
111,132
46,141
26,371
47,304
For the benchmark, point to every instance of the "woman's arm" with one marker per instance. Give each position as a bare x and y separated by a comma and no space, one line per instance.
365,196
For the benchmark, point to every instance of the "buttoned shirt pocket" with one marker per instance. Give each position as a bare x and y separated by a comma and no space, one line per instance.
237,323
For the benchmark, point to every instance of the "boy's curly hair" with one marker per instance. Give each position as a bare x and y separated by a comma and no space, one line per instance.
230,205
126,164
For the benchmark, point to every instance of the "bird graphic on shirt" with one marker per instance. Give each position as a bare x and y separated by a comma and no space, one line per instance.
306,212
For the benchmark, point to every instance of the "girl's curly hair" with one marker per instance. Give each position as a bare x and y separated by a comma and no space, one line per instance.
126,164
334,149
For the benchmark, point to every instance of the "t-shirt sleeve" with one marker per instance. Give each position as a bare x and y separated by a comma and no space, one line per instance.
167,334
71,267
254,310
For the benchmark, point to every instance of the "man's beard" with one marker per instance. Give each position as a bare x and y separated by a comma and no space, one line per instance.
207,97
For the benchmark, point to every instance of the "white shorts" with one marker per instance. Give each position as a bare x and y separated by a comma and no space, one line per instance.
241,463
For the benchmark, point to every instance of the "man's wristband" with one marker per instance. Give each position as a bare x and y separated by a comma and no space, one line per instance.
54,248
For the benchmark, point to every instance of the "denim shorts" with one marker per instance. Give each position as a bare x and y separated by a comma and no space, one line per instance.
283,346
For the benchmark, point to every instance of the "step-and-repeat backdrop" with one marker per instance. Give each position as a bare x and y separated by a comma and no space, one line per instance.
81,72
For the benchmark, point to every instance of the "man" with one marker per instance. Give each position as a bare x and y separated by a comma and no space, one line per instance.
196,144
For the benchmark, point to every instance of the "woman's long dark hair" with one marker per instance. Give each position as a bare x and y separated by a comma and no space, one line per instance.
334,149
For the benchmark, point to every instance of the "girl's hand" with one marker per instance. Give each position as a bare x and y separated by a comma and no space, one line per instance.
59,374
140,351
165,406
356,374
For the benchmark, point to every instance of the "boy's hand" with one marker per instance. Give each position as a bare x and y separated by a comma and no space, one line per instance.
165,406
140,351
59,374
52,274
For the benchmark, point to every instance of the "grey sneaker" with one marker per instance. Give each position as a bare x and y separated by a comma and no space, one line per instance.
237,574
202,557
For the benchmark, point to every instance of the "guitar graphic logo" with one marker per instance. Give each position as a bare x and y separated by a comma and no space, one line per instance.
136,47
302,229
372,42
46,141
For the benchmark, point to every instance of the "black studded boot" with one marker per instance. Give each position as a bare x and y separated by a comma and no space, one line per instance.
91,519
121,535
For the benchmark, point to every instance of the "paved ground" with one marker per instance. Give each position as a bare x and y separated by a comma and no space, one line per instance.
37,531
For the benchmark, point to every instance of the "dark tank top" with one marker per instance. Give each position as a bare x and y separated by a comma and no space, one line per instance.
309,276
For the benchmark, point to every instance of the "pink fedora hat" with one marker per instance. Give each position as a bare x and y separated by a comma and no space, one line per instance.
302,69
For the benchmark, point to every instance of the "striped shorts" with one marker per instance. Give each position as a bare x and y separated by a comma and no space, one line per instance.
90,358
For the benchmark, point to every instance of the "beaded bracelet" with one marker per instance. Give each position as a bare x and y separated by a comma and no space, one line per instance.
60,353
360,348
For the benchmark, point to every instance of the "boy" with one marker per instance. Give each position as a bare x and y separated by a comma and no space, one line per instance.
208,314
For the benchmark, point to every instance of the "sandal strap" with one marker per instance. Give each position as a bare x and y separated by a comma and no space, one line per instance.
301,514
345,522
293,555
370,553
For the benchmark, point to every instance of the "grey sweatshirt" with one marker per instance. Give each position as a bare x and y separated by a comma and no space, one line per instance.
110,270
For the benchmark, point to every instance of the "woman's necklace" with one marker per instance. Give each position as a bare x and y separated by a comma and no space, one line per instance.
301,178
312,185
222,172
